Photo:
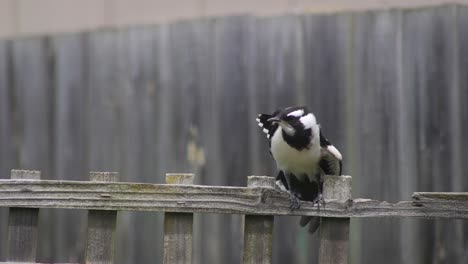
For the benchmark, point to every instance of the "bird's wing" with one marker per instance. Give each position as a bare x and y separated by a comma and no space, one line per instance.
268,127
331,159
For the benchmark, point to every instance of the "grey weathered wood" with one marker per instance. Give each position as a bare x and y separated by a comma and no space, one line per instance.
22,225
32,107
376,73
334,232
138,50
430,53
206,199
6,135
9,262
348,69
258,229
178,228
67,227
101,227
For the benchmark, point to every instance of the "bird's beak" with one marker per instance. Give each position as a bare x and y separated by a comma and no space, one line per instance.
274,119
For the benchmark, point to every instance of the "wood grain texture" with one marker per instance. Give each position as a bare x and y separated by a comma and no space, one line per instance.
9,262
258,229
206,199
178,228
22,225
376,69
462,43
430,47
67,227
101,228
334,232
6,135
388,88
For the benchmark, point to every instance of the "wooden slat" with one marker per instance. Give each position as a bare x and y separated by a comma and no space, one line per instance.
101,227
334,232
67,227
9,262
376,77
178,228
207,199
6,132
22,225
430,47
138,52
258,229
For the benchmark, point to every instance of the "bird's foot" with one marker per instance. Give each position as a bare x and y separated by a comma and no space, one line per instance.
319,201
294,202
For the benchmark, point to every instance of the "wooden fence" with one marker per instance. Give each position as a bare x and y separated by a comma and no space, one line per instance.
103,196
388,87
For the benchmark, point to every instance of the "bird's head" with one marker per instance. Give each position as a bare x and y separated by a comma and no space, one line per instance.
293,119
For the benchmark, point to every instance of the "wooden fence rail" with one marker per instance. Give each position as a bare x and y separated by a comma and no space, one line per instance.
104,196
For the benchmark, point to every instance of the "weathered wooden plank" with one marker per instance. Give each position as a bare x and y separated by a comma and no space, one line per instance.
178,228
429,53
376,76
334,232
101,228
230,70
67,228
138,49
203,199
6,132
461,26
9,262
411,245
258,230
32,126
22,225
104,105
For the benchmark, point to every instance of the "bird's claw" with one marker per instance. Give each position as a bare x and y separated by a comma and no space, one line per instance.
319,200
295,203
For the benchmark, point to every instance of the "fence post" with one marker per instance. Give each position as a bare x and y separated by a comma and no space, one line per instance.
22,225
334,232
101,227
258,229
178,227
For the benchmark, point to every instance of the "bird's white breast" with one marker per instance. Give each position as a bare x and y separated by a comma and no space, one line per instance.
299,162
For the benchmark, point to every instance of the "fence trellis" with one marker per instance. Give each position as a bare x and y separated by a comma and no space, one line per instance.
104,196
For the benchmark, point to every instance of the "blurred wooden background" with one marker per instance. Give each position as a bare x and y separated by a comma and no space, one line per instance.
389,88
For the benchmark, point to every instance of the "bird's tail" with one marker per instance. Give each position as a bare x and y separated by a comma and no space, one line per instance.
313,221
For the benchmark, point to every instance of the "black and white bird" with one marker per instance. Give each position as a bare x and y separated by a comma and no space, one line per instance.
303,156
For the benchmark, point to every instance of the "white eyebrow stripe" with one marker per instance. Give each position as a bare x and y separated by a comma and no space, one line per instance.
308,120
296,113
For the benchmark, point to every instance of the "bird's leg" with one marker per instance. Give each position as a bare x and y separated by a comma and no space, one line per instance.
294,201
319,199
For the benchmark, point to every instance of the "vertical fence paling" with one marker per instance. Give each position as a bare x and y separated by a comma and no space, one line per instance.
258,229
101,227
22,225
334,232
178,227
